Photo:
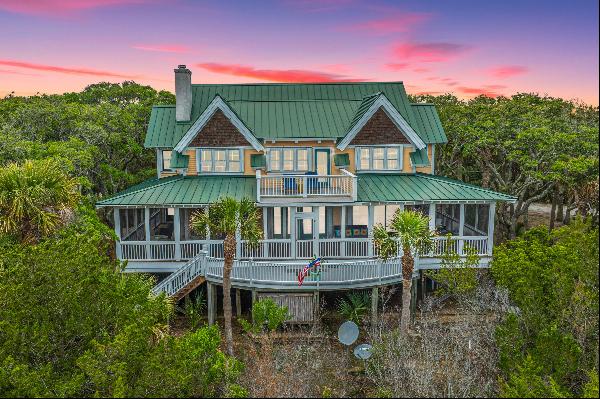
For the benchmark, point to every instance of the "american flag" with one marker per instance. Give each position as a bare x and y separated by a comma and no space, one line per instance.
313,264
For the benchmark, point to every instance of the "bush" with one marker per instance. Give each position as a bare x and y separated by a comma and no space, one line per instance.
355,306
266,316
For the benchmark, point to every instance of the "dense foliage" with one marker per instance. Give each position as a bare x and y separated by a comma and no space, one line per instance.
71,324
535,148
99,131
549,344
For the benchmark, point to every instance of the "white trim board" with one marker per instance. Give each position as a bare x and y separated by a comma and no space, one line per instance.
392,112
203,119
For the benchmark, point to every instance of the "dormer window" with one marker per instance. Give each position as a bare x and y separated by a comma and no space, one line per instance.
219,160
379,158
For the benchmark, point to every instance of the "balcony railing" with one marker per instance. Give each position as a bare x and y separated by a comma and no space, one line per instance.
286,249
306,187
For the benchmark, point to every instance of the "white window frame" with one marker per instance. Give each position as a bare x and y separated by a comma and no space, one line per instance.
213,150
295,150
370,149
162,161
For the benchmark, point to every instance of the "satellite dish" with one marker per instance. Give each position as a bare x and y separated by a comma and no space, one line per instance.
363,351
348,333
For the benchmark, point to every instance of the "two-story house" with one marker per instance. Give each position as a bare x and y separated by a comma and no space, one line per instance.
324,162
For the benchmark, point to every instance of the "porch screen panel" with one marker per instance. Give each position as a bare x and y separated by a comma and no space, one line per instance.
476,219
186,231
132,224
447,218
161,224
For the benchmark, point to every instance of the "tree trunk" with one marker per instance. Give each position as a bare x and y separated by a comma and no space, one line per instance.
408,265
553,210
229,251
406,297
560,214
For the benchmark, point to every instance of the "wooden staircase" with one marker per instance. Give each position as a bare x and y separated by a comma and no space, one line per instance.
185,279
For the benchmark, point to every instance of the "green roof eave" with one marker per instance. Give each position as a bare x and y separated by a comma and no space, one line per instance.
183,191
419,187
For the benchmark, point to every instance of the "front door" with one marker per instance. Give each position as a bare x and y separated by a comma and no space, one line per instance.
322,161
305,232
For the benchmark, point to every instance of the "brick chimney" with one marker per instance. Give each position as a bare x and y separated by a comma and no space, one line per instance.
183,94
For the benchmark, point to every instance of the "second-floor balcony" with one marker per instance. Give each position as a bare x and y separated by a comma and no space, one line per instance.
306,187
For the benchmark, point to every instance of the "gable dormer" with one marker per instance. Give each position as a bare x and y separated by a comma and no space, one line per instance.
380,129
219,132
377,121
218,126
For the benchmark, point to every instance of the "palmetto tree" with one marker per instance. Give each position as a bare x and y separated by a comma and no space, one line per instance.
410,230
227,217
35,198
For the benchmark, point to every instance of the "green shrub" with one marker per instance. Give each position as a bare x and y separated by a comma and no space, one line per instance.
456,276
355,306
266,316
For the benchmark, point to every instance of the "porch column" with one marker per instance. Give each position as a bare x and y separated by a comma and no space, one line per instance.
117,217
147,231
401,207
238,243
343,232
177,233
316,227
211,302
265,215
490,229
292,210
461,228
432,217
370,220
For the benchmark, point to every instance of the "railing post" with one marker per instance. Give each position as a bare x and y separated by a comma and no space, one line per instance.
354,187
147,231
177,233
202,256
461,229
258,177
490,232
117,217
304,187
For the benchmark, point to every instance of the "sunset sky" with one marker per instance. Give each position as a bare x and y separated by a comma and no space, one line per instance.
463,47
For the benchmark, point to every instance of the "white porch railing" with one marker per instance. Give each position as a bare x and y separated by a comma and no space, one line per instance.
331,274
306,186
285,249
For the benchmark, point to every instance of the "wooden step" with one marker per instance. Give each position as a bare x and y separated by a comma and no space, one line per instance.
195,283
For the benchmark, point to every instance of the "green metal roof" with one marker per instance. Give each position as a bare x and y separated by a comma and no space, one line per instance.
184,190
201,190
421,187
420,157
429,125
289,111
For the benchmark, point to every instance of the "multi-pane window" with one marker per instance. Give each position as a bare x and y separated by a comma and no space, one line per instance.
166,159
379,158
289,159
220,160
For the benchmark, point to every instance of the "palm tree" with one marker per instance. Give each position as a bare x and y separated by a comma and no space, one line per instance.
36,198
410,230
227,217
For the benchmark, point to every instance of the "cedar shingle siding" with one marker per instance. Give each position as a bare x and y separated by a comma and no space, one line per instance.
380,129
218,132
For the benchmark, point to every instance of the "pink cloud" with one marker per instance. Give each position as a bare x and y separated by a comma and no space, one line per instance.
420,70
393,24
70,71
507,71
479,91
397,66
429,52
275,75
58,7
163,48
